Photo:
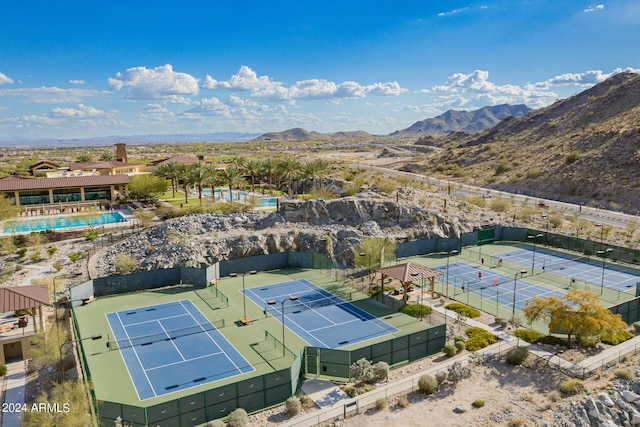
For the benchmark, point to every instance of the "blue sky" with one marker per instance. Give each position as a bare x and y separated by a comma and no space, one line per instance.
74,69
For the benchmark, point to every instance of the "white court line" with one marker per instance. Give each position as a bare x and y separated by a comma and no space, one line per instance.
211,338
137,357
155,320
169,336
186,360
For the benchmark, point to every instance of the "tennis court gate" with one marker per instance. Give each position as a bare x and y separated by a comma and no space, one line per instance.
336,364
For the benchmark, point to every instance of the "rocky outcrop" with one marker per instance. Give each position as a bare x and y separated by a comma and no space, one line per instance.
332,228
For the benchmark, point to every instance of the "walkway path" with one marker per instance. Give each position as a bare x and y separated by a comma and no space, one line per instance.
13,394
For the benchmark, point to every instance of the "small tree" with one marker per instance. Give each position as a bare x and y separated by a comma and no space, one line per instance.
457,373
362,371
577,312
75,256
145,217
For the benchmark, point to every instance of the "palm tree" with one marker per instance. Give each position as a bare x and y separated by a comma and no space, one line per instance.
323,167
287,168
213,179
183,173
170,171
310,171
252,168
106,156
232,178
268,168
199,177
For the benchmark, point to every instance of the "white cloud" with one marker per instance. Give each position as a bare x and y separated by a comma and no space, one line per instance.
82,112
209,107
4,79
594,8
77,82
453,12
155,112
244,80
160,82
385,89
586,79
53,95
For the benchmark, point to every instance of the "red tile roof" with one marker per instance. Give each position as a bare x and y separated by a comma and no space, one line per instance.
21,297
99,165
408,272
15,183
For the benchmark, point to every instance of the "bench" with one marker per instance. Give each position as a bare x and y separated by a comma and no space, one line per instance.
244,320
86,301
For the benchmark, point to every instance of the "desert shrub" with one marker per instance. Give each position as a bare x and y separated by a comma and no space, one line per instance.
556,220
21,252
571,387
238,418
617,337
500,205
551,340
125,264
306,401
458,338
534,173
554,396
350,391
362,371
463,309
3,370
441,376
587,341
636,326
381,403
293,406
449,349
624,374
501,168
477,403
517,422
427,384
402,401
68,362
479,338
572,157
457,373
517,355
216,423
416,310
460,346
381,370
529,335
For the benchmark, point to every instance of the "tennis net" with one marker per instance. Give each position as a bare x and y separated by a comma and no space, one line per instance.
306,304
146,340
573,262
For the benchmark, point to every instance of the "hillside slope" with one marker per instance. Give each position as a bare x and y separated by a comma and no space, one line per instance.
581,149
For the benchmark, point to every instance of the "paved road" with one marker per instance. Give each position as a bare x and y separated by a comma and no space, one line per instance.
601,216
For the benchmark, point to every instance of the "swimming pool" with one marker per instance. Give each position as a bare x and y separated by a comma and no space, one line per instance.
242,196
54,223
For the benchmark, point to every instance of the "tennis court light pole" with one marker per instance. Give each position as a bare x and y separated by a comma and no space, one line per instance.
515,283
533,259
453,252
93,337
368,269
603,254
244,296
271,302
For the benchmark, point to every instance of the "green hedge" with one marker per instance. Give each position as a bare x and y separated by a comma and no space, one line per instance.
619,336
479,338
529,335
463,309
416,310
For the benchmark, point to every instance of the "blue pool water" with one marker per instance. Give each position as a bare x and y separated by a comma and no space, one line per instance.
262,201
54,223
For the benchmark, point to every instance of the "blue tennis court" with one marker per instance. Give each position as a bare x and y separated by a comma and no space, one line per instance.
173,346
492,284
585,269
319,317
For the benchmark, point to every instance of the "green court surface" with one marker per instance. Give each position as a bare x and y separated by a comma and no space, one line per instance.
259,341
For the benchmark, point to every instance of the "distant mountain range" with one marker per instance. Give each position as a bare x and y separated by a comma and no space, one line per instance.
299,134
130,139
463,121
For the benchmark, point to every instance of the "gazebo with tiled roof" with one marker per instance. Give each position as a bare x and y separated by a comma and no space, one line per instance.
27,298
408,274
